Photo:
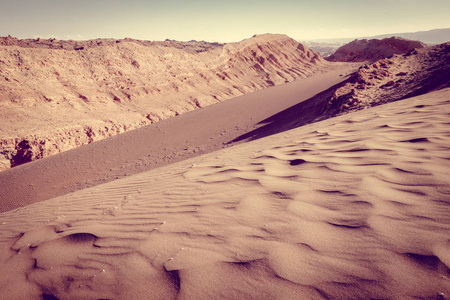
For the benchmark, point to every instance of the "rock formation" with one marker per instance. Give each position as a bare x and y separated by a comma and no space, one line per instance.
57,95
373,50
399,77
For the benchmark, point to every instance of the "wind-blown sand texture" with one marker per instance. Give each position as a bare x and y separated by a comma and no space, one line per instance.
354,207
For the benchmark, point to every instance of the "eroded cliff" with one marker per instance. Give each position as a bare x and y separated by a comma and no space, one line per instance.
57,95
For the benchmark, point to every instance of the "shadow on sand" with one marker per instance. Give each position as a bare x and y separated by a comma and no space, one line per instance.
303,113
310,110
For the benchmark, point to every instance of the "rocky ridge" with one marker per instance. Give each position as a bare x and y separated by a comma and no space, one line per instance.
373,49
58,95
191,46
390,79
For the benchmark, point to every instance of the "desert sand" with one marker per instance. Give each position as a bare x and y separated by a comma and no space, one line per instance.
190,134
315,189
353,207
320,95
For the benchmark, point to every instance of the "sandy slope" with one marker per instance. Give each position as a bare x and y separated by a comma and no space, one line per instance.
355,207
54,98
190,134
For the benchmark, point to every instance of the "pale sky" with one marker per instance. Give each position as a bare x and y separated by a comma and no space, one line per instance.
221,21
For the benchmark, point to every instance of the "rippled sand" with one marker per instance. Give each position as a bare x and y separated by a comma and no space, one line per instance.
352,207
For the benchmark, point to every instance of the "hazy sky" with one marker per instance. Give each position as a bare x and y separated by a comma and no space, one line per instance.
222,21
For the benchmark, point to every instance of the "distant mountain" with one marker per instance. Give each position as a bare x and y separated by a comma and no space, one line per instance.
431,37
326,47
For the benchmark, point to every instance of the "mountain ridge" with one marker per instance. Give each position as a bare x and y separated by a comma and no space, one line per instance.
442,35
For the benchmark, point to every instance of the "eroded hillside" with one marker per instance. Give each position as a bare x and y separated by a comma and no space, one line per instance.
417,72
374,49
399,77
57,95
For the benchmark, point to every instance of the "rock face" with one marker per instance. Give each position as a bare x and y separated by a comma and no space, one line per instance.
399,77
57,95
373,50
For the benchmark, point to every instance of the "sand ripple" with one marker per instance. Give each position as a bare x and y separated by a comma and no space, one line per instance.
355,207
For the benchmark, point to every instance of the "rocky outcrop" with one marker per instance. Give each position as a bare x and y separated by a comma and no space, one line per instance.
274,61
374,49
399,77
17,151
51,90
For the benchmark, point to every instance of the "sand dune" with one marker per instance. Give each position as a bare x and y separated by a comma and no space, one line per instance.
190,134
354,207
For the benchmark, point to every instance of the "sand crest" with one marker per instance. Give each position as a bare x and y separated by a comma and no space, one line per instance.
354,207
